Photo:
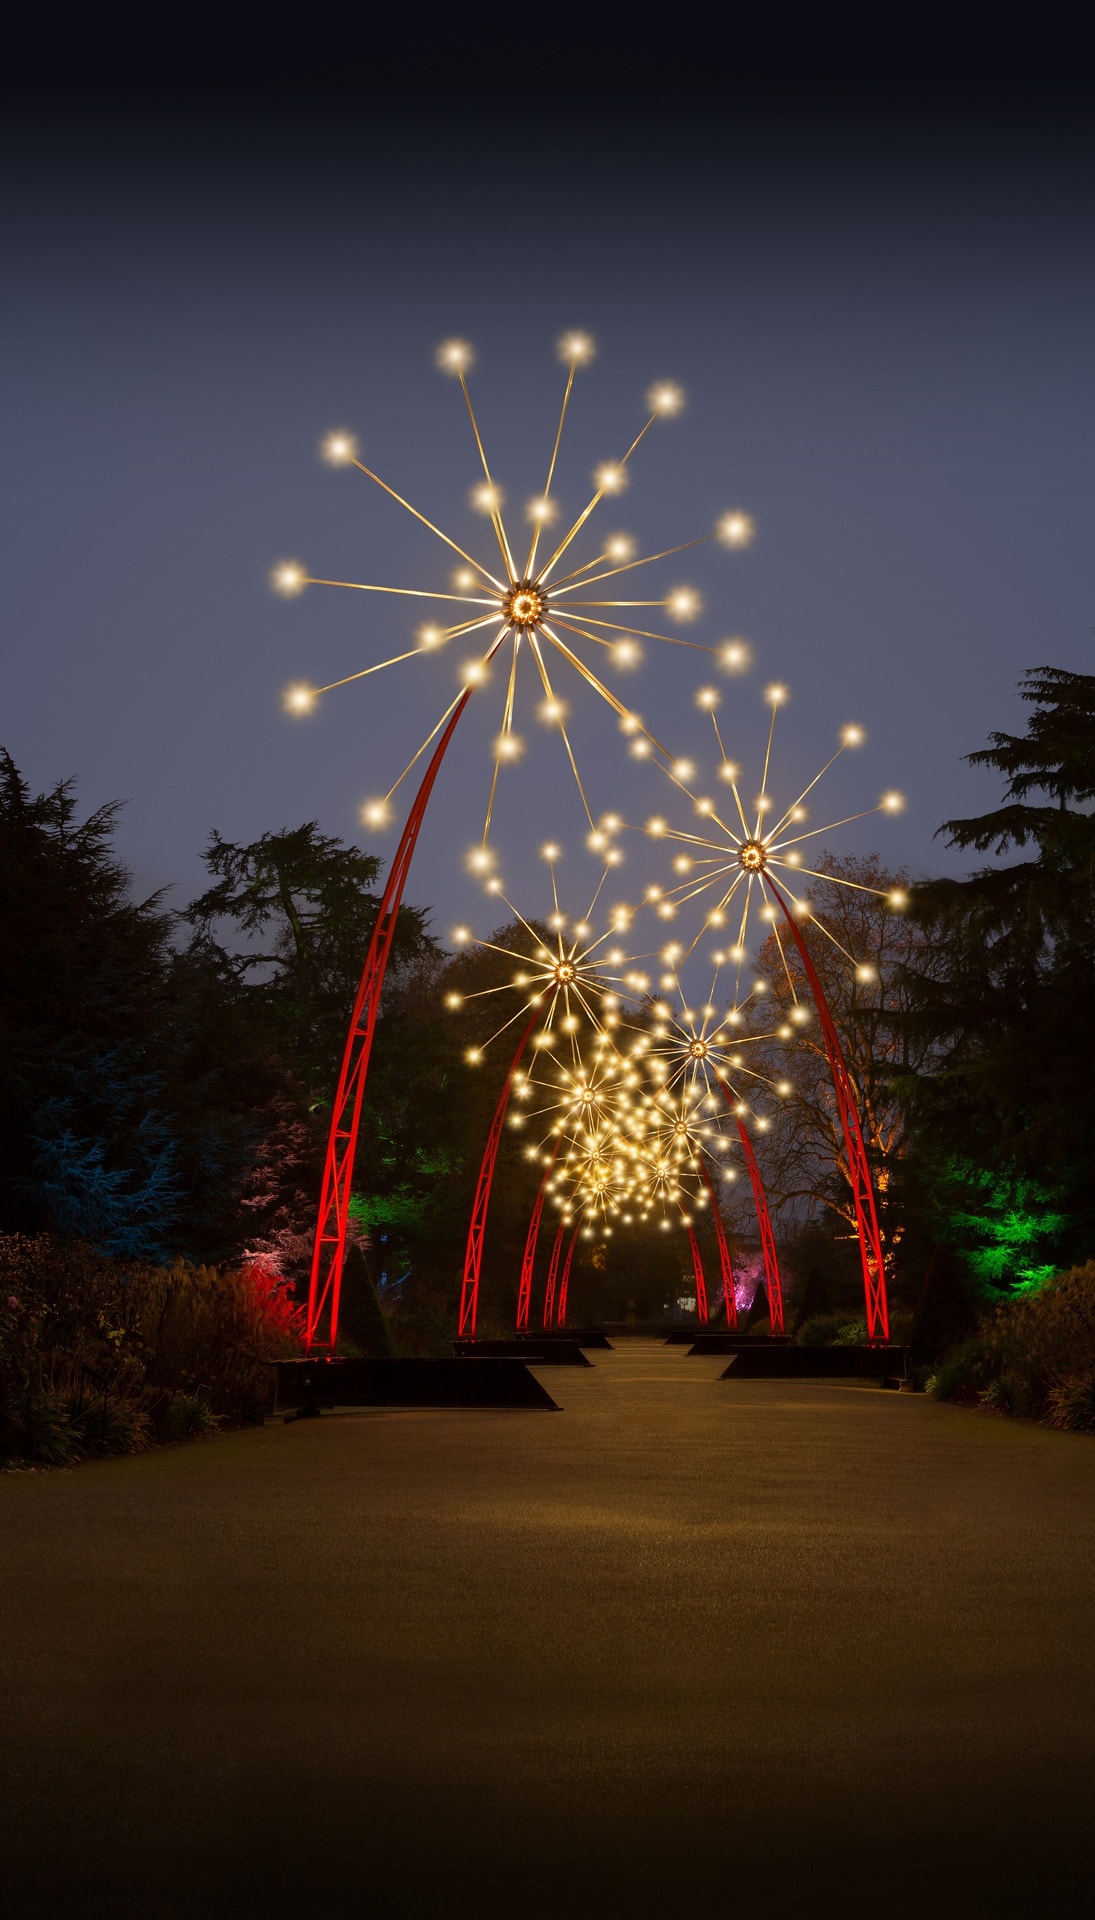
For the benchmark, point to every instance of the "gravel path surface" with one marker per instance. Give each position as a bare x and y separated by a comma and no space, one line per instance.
684,1648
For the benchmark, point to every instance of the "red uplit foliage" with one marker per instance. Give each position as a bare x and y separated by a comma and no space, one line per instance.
270,1299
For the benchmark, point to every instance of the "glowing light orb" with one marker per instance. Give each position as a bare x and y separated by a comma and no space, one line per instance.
299,698
611,477
550,712
626,653
541,512
665,397
735,656
620,547
576,349
683,603
289,579
455,356
486,497
339,449
735,529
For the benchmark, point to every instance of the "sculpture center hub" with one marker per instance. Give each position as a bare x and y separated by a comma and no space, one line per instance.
752,857
565,973
525,605
698,1049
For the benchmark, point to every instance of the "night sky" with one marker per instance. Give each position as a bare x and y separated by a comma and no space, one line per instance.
884,328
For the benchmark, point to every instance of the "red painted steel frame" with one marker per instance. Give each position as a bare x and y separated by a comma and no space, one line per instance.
553,1274
528,1262
726,1271
701,1284
764,1220
859,1169
330,1244
477,1229
564,1283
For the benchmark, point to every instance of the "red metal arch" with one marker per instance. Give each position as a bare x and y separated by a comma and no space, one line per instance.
553,1275
564,1282
528,1261
726,1271
764,1219
859,1170
701,1284
329,1251
477,1228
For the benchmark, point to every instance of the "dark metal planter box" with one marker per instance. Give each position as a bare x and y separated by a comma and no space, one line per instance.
476,1382
549,1353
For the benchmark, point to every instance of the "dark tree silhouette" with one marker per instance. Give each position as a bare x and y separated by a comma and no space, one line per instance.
1005,1120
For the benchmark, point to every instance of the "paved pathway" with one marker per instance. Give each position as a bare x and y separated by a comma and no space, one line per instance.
684,1649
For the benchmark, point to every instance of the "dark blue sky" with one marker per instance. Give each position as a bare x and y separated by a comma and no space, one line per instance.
885,338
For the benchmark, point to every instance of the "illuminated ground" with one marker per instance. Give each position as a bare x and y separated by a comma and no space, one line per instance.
682,1649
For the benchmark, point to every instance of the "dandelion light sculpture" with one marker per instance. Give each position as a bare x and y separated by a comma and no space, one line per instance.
532,600
697,1056
731,863
558,988
588,1105
528,599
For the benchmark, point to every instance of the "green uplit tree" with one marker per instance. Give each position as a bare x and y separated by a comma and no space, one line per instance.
1004,1121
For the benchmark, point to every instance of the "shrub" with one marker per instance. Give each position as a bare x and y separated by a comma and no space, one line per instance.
853,1333
1035,1356
112,1422
821,1330
1006,1393
39,1427
184,1416
103,1356
964,1373
1070,1404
